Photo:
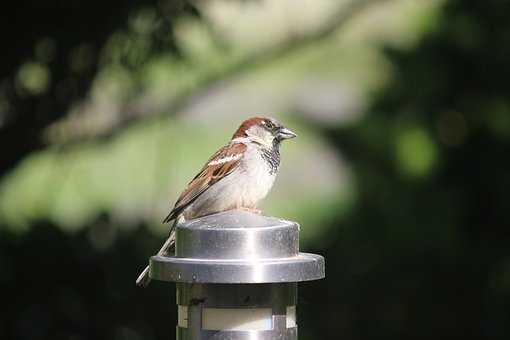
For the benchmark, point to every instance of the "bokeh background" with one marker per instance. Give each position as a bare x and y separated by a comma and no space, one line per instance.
400,176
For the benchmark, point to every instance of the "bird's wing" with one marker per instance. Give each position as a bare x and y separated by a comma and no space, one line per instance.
219,166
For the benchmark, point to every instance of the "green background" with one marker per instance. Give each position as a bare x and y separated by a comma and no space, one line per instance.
399,176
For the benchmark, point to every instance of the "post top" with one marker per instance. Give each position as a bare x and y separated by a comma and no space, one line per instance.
237,235
237,247
235,219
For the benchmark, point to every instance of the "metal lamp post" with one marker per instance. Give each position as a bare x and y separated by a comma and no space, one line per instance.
237,275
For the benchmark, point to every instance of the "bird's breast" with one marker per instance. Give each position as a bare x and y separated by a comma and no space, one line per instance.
245,187
257,177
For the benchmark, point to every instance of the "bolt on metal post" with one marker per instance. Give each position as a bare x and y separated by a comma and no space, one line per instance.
236,275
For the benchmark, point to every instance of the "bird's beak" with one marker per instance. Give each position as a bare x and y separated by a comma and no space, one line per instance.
285,133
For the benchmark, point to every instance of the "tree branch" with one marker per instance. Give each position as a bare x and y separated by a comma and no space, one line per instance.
133,113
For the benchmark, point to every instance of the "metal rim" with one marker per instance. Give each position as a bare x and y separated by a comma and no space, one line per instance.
304,267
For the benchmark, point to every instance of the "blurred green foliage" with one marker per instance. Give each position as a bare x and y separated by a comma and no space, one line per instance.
129,175
399,175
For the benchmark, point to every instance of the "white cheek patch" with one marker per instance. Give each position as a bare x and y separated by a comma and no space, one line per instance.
225,159
260,135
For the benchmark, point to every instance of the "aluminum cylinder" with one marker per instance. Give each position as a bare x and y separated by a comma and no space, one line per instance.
237,275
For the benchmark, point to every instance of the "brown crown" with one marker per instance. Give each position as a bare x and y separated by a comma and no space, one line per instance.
248,123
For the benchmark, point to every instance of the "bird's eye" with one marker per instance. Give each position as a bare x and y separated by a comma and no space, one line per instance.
269,124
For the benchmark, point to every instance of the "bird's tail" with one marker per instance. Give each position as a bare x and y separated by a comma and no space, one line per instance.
143,279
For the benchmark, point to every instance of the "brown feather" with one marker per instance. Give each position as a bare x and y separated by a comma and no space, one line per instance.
207,176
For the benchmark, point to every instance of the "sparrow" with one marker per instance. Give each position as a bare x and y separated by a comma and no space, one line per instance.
237,176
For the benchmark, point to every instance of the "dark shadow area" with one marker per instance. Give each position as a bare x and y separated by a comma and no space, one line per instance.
58,286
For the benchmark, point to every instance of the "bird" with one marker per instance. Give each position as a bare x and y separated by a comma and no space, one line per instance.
237,176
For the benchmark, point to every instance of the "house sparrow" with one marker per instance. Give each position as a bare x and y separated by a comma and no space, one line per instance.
237,176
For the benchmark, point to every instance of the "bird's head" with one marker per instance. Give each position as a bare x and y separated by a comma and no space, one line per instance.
264,131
